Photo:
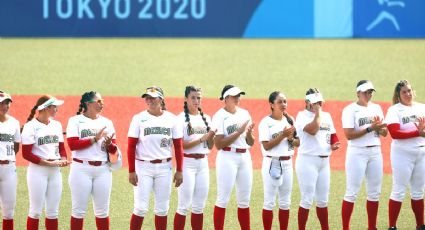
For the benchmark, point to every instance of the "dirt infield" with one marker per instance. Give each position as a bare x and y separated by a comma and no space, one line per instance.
121,109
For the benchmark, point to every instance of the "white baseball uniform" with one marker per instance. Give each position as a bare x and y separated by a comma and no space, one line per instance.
407,155
233,166
312,163
268,129
364,157
194,189
85,179
44,182
9,134
155,136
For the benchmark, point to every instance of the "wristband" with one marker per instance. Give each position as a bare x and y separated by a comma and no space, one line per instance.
368,130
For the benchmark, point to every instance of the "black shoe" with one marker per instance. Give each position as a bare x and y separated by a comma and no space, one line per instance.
392,228
421,228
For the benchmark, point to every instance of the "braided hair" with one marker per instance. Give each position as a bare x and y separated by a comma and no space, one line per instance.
87,96
40,101
187,91
397,89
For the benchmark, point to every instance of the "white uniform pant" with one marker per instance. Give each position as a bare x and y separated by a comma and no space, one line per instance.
88,180
194,189
45,189
281,187
408,165
233,168
8,183
363,162
313,173
156,177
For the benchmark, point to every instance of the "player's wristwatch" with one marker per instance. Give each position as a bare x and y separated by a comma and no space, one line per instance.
368,129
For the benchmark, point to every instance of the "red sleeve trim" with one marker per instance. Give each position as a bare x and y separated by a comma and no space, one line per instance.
62,150
131,154
112,149
178,151
396,133
28,155
334,138
75,143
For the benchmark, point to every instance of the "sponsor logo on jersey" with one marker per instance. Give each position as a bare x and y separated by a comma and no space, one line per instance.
364,121
232,128
157,130
5,137
49,139
88,133
198,130
411,118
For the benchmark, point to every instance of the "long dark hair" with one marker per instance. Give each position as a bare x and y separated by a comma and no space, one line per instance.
86,97
187,91
272,98
397,89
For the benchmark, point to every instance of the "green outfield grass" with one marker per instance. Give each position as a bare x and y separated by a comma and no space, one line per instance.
122,206
125,66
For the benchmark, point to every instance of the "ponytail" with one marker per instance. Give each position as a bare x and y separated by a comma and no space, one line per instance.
39,102
87,96
186,114
204,119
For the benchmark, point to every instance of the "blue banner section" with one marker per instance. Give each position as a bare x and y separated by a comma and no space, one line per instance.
213,18
389,18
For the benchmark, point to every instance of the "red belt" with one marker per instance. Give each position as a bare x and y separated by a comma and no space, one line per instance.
195,155
282,158
236,150
5,162
94,163
157,161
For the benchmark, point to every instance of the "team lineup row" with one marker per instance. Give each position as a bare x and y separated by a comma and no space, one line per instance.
154,133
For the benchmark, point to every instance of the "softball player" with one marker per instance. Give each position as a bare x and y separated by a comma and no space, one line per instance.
278,138
406,122
43,147
90,136
363,126
151,135
317,139
197,141
233,139
9,145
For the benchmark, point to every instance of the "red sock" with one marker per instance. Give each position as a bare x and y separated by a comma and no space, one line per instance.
179,221
197,221
219,215
372,213
136,222
267,219
160,222
102,223
243,217
7,224
418,210
322,214
283,219
346,211
302,217
77,223
393,211
51,224
32,224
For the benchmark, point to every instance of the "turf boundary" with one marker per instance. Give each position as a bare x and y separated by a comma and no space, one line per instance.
121,109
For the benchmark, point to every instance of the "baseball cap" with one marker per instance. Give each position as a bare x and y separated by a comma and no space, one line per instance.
5,96
51,101
230,90
314,98
153,92
365,87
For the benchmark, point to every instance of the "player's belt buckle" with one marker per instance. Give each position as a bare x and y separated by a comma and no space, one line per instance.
236,150
282,158
5,162
93,163
195,155
157,161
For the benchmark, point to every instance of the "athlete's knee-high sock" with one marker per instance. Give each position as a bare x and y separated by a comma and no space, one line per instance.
219,215
77,223
197,221
160,222
179,221
136,222
283,219
32,224
7,224
393,211
102,223
322,214
51,224
418,210
302,218
243,217
267,219
346,211
372,213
